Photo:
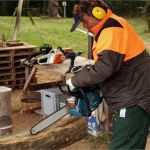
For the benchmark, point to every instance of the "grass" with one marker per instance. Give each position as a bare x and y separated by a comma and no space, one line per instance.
53,31
56,32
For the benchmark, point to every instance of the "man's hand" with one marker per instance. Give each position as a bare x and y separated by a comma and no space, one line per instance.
70,85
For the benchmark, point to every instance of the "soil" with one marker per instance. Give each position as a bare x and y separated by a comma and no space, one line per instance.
23,119
87,143
94,143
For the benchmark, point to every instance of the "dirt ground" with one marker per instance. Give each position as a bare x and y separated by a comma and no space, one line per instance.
92,143
87,143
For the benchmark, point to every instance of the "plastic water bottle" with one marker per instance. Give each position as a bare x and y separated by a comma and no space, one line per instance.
93,125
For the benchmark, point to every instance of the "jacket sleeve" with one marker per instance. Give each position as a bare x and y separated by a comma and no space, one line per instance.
108,63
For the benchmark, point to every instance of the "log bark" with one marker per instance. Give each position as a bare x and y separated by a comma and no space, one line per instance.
63,133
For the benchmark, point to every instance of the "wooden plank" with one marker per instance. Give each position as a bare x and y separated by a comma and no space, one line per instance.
35,86
5,74
23,54
18,79
20,72
4,62
4,54
10,63
24,50
18,48
5,68
12,66
19,76
19,66
26,85
5,71
5,65
45,77
5,80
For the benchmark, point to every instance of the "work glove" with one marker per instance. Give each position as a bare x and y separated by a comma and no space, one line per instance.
70,85
76,69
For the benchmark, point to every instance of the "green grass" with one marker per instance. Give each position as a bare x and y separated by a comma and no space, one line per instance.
53,31
56,32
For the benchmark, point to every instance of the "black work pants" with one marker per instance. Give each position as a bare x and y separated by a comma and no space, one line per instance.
130,129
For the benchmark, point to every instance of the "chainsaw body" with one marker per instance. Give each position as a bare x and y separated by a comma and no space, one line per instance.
48,55
86,101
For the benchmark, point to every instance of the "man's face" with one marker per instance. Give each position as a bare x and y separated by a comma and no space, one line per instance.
88,22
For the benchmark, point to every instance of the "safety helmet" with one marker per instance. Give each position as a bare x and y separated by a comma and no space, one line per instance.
96,8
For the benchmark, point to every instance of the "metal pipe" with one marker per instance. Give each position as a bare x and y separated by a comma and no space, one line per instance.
90,41
85,32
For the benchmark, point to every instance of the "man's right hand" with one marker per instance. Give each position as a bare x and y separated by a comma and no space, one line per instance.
70,85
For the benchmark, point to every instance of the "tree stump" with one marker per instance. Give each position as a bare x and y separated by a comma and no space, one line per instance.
5,110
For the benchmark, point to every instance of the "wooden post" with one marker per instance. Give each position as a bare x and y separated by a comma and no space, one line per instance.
5,110
18,17
90,43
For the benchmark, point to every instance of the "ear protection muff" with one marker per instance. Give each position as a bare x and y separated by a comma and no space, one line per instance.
98,12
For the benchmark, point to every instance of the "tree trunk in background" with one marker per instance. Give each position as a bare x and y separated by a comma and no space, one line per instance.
53,8
147,14
18,17
3,7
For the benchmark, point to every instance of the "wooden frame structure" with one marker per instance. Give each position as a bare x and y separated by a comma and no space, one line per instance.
12,73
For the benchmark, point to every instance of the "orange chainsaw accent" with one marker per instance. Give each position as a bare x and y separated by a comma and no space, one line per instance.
59,58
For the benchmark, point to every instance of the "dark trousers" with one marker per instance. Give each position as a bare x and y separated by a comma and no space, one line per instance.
130,129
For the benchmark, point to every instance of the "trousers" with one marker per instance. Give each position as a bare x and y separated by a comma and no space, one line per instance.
130,128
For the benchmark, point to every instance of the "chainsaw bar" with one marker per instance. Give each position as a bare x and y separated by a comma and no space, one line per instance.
46,122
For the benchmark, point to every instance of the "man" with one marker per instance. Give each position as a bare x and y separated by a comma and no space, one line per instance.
122,66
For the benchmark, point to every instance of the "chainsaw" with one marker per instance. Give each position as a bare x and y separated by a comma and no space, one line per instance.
85,100
49,55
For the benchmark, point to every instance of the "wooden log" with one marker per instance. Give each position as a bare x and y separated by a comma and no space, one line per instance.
50,75
62,133
5,110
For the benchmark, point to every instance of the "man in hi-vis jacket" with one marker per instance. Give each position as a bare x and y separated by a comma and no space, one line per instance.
122,66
